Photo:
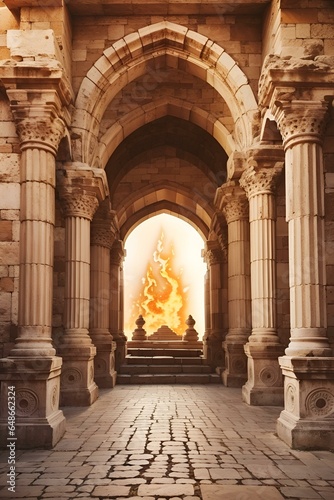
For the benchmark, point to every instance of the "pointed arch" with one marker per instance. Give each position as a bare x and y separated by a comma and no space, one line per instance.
157,46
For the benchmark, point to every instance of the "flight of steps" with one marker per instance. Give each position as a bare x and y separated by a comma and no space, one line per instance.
160,364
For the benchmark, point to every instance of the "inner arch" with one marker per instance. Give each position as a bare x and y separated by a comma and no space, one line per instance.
153,238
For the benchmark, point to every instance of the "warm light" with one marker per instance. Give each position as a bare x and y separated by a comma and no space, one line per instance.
164,275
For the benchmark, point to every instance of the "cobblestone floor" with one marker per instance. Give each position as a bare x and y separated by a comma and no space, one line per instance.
171,442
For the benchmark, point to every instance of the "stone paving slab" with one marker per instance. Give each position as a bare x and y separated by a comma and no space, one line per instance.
215,492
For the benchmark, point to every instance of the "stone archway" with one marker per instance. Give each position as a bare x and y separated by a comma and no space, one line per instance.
153,46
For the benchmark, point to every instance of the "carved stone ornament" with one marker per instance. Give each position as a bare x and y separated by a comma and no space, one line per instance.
101,234
117,253
79,205
46,131
236,209
259,180
214,256
299,118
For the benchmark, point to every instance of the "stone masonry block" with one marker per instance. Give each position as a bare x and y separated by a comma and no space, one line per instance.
6,230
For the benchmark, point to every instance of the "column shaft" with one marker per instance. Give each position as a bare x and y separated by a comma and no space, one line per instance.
265,383
305,215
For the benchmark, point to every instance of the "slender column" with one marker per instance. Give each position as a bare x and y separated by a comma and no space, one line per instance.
32,367
265,384
308,365
102,237
80,192
234,205
213,350
116,259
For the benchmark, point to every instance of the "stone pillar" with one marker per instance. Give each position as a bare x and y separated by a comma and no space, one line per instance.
116,259
32,367
80,192
308,366
234,205
212,342
102,237
265,383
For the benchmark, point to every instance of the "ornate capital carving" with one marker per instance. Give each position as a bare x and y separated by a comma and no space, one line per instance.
79,205
103,229
259,181
233,202
38,120
299,120
213,253
117,253
81,190
102,234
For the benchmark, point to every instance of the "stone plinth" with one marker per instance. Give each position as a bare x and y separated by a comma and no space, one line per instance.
307,421
190,334
265,381
36,382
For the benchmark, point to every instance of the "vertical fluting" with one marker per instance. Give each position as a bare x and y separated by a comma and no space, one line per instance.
36,252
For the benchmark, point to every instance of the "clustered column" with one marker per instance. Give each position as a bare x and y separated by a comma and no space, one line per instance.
116,259
32,367
212,342
102,237
80,201
308,368
265,383
234,205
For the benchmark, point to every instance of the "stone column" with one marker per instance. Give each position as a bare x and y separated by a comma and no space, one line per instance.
308,366
80,193
116,259
102,237
212,342
32,367
234,205
265,383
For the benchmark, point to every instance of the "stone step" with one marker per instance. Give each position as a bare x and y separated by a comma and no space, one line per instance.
155,351
164,369
180,378
162,360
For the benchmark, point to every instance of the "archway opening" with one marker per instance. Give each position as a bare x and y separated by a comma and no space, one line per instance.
164,275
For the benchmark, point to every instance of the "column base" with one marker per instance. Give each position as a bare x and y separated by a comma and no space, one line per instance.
104,365
78,387
213,350
307,421
121,348
264,386
235,373
35,382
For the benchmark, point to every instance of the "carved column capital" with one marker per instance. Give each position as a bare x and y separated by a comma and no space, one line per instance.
264,168
103,229
300,120
117,253
79,205
213,253
233,202
81,190
38,118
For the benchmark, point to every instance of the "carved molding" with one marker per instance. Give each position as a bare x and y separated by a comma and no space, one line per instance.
46,133
236,209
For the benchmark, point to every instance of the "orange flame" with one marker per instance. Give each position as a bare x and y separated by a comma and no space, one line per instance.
163,298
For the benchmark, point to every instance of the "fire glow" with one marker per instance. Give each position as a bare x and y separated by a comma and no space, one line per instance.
163,299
